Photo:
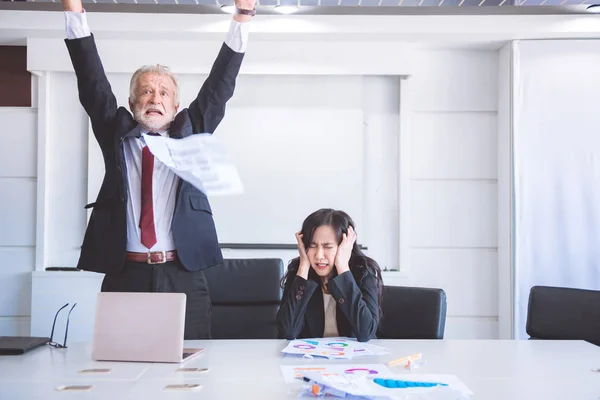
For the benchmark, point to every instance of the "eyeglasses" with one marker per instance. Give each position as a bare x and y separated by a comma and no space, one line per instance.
52,342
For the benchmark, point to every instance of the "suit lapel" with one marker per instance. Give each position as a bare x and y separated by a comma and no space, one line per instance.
135,132
181,126
342,322
316,314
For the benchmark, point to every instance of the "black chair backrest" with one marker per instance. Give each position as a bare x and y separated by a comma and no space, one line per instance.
245,296
412,313
564,313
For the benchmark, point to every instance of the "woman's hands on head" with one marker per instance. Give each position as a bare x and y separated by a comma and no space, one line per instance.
344,251
304,265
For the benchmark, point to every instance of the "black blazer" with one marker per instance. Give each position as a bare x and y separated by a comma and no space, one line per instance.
194,233
302,315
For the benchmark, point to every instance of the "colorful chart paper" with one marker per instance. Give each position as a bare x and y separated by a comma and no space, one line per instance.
292,372
333,348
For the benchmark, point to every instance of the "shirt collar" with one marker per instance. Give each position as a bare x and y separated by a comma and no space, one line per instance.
164,133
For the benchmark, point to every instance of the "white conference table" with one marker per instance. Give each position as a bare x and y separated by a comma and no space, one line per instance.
250,369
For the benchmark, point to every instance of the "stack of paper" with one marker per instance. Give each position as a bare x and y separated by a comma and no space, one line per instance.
293,373
414,386
333,348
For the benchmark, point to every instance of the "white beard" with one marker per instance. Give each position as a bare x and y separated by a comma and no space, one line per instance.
154,123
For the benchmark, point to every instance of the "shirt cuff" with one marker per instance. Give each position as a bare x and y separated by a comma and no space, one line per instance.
237,38
76,25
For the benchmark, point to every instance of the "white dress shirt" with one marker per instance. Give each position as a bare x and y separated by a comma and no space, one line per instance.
237,37
164,181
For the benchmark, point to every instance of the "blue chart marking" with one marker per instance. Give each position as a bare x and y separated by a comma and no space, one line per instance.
397,384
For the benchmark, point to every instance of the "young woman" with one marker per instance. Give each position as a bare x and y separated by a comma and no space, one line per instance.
332,288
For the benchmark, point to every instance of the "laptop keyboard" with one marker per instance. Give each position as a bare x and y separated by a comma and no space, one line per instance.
187,354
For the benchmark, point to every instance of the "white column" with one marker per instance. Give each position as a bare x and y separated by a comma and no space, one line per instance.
381,127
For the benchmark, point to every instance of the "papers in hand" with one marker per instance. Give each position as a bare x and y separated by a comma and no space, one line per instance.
333,348
200,160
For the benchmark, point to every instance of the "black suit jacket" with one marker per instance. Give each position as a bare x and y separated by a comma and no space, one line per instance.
302,314
194,233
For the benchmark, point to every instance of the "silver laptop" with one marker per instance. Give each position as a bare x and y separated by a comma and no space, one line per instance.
146,327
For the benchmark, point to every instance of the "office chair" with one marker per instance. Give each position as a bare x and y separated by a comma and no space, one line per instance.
245,296
564,313
412,313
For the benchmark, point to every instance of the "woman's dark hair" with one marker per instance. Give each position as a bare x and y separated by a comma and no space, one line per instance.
359,262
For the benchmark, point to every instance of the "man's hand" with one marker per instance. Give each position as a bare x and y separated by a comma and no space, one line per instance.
72,5
242,5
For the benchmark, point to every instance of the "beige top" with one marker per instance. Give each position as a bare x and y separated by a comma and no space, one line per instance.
331,329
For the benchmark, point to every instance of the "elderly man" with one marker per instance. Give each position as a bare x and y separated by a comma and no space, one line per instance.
149,230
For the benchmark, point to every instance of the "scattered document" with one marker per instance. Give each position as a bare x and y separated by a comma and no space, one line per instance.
200,160
294,373
333,348
389,386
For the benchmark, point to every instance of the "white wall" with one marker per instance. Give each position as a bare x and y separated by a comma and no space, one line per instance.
556,152
18,145
66,172
453,209
506,63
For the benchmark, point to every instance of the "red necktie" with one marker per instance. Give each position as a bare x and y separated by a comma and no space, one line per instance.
147,214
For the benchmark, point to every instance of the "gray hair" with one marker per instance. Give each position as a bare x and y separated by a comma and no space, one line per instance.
154,69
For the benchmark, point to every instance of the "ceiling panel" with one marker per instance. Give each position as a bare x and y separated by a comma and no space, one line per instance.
345,6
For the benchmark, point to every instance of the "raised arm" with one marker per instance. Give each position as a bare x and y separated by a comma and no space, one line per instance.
95,93
72,5
208,109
